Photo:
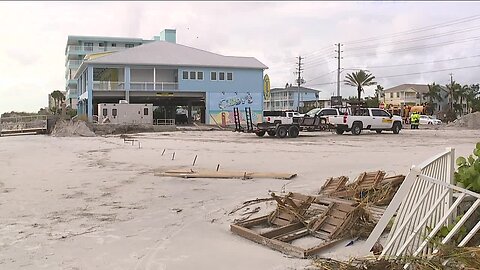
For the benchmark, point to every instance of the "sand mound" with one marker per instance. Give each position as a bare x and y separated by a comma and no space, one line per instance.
471,121
72,129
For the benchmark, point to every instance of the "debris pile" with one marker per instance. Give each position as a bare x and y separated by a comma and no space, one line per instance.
339,210
72,129
470,121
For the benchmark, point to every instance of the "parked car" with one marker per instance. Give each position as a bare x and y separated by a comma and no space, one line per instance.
428,120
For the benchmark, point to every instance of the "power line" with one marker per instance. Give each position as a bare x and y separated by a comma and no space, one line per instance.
433,36
421,29
425,72
420,47
321,76
407,74
421,63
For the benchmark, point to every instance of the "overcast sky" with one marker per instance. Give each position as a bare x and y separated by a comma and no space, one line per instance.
374,34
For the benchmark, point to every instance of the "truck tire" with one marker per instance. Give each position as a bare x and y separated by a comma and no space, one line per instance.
396,127
271,133
378,131
356,128
260,133
282,132
293,132
339,131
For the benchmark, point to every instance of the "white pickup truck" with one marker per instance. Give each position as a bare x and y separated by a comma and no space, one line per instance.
367,118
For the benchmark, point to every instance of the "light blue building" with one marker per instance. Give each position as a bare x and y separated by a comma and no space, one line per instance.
290,98
169,75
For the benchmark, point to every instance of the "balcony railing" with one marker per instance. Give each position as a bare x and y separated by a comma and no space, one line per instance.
74,63
92,49
108,86
149,86
134,86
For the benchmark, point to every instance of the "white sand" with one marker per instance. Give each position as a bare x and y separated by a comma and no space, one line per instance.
94,203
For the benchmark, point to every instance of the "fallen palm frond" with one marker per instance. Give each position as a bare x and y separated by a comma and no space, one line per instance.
448,258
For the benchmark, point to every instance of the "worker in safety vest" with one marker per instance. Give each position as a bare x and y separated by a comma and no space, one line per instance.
415,120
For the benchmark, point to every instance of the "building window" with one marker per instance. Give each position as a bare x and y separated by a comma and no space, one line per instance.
145,111
391,95
114,44
398,94
213,76
104,112
88,46
200,75
229,76
128,45
221,76
185,75
100,44
114,112
193,75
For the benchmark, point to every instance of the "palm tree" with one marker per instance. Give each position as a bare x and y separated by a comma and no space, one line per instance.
58,98
452,95
472,92
359,79
379,92
433,95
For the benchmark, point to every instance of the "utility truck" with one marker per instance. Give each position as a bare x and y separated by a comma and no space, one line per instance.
366,118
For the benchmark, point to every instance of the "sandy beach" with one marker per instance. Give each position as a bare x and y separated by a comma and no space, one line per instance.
95,203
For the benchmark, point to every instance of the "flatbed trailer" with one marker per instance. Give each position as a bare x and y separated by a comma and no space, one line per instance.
280,130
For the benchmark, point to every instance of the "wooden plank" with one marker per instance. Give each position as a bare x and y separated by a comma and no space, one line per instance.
283,230
294,235
254,221
316,249
224,174
278,245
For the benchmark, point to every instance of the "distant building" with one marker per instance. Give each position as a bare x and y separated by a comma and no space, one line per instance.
169,76
79,46
412,95
290,98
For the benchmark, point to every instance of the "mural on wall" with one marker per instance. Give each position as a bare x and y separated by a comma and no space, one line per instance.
221,106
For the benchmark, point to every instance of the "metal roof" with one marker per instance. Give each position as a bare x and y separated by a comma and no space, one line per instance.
171,54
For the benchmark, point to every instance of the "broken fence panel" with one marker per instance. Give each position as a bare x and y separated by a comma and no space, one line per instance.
421,204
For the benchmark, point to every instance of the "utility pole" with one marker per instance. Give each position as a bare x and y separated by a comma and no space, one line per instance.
451,92
338,51
299,80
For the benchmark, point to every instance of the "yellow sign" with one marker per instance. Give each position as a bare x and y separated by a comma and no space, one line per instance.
387,120
266,87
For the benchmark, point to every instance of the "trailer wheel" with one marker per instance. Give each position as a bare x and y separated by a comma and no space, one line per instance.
396,127
271,133
293,132
282,132
339,131
357,128
378,131
260,133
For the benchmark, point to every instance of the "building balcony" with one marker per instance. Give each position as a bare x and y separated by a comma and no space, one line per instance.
134,86
71,84
73,63
75,50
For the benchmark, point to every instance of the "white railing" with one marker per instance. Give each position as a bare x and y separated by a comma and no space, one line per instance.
151,86
164,122
108,85
425,205
93,49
